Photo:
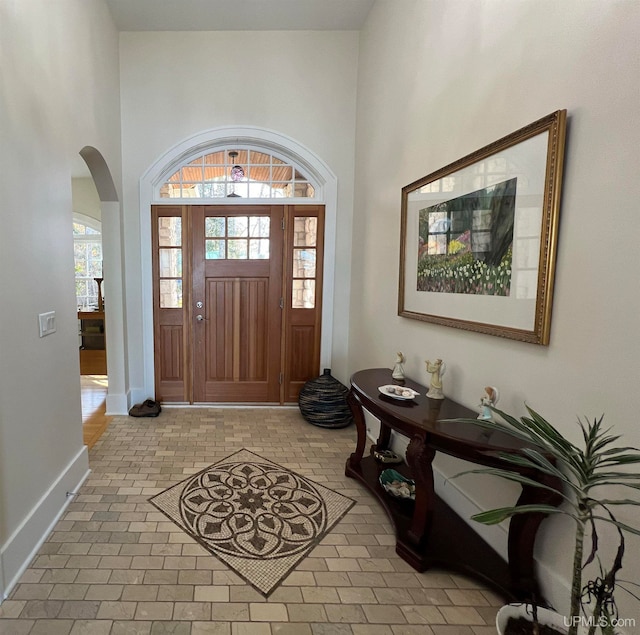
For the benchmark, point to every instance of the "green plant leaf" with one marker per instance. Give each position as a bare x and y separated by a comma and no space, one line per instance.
534,462
622,501
621,459
516,478
618,524
543,464
495,516
550,435
603,478
616,450
493,426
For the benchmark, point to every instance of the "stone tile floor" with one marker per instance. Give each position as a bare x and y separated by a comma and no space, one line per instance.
115,565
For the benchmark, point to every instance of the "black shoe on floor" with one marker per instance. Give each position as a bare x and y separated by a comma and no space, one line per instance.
148,408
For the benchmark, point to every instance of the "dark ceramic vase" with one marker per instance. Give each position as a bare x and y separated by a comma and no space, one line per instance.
323,402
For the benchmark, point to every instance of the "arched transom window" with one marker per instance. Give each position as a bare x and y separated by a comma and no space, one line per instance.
238,172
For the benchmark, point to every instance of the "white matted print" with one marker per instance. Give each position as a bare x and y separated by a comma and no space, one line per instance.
479,237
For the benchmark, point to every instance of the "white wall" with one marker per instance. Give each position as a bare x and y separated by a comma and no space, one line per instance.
176,85
440,79
59,93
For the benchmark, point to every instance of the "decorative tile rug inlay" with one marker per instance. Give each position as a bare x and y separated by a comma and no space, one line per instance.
258,517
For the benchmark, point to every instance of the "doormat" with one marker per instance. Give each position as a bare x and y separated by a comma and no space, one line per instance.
258,517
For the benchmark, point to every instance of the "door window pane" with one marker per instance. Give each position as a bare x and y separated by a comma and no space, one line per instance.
214,226
259,249
170,294
170,263
259,226
170,231
305,231
236,249
237,226
215,249
304,263
304,294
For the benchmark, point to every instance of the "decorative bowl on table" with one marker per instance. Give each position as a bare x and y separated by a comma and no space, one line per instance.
397,485
398,392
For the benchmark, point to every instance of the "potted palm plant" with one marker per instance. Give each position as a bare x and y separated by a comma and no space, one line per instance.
588,473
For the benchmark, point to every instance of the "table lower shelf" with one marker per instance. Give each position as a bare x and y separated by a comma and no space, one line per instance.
450,543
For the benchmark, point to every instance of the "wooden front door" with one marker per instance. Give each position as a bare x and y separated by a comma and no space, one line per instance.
237,319
237,301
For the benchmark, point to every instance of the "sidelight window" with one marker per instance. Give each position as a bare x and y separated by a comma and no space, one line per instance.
305,243
170,261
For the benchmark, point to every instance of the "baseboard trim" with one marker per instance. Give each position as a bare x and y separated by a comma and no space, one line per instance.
22,546
117,404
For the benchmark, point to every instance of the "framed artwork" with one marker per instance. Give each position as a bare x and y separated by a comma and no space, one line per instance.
479,236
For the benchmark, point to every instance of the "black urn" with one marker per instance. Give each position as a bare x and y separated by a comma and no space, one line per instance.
323,402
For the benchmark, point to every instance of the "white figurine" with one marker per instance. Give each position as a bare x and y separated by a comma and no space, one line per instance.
398,370
437,370
490,398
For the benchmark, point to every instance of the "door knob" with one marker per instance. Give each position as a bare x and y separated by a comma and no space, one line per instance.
199,318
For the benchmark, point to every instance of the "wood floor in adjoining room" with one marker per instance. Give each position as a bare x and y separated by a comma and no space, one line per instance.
94,396
115,565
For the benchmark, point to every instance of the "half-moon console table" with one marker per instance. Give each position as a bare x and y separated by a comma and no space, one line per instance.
428,532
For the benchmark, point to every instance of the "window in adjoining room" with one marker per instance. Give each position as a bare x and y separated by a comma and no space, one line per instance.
87,252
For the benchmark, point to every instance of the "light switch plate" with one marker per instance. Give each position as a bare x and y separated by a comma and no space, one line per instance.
47,322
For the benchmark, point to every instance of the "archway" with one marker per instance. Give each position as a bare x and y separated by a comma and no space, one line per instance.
113,269
269,141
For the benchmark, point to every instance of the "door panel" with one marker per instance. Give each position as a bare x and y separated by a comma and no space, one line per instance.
236,329
171,344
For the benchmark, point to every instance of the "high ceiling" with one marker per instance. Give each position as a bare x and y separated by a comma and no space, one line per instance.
239,15
235,15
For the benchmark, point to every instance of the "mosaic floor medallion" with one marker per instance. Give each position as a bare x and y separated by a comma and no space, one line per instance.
258,517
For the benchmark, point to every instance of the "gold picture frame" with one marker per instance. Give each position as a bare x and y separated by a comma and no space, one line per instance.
479,236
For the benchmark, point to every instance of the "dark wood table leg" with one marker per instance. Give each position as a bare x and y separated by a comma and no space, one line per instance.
384,438
522,535
419,459
361,427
